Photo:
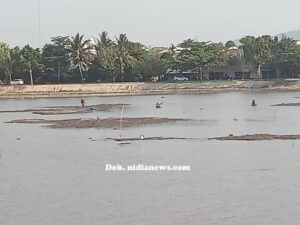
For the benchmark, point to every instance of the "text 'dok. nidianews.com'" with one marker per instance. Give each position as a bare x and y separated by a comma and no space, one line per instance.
142,167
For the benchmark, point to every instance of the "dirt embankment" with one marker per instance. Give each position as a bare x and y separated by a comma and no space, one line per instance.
98,123
138,88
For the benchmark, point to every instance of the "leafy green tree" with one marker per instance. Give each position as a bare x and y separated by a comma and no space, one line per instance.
15,61
264,50
257,51
10,61
199,56
80,53
5,60
285,56
249,47
169,58
230,44
56,59
139,56
30,58
152,65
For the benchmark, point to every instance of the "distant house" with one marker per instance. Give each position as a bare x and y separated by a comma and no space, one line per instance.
240,72
92,44
230,72
235,51
157,50
235,69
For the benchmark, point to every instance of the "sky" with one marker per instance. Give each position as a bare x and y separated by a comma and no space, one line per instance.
151,22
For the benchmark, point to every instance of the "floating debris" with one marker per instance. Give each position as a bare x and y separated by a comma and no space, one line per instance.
125,143
235,118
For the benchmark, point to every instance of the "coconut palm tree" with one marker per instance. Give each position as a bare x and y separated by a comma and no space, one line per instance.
104,41
123,56
106,54
81,53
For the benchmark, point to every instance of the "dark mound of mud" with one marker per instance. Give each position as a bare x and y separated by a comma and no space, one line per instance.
60,110
257,137
102,123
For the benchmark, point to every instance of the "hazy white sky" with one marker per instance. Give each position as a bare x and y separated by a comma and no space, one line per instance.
152,22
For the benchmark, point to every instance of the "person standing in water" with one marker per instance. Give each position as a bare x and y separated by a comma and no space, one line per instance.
253,102
82,103
158,105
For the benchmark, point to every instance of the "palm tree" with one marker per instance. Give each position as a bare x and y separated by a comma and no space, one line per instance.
104,41
106,54
172,50
81,53
124,58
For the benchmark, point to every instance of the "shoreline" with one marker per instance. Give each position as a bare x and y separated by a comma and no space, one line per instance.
140,89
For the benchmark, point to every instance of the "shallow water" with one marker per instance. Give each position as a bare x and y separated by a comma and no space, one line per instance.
58,177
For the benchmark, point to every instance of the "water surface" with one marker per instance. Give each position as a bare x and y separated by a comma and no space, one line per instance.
58,177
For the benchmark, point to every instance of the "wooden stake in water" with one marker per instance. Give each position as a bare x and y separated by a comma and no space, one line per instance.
121,118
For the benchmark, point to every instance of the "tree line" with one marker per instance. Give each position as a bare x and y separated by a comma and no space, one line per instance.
77,59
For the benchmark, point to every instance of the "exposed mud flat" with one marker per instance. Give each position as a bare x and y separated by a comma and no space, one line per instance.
101,123
61,110
287,104
257,137
148,139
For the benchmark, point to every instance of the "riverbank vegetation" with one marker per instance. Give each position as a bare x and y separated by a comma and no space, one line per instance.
104,59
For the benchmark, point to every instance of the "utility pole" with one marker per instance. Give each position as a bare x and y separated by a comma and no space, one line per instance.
56,59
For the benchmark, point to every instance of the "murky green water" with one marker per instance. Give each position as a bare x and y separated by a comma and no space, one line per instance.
58,177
